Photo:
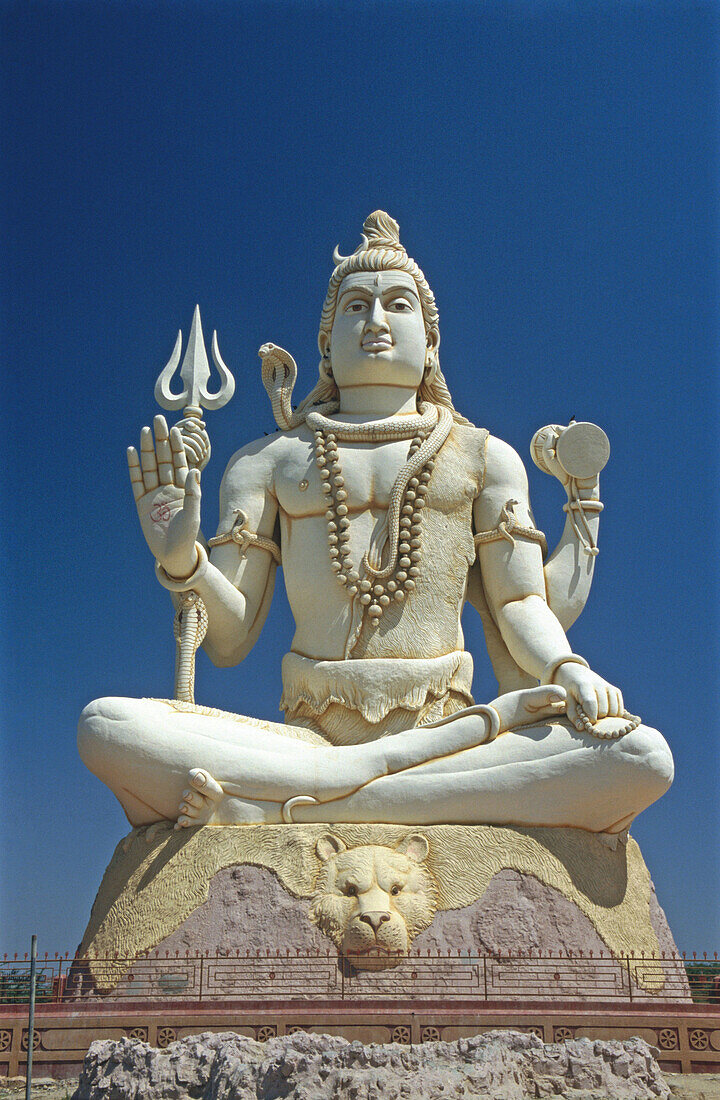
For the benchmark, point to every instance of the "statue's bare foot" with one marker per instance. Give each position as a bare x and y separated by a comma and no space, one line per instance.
207,802
201,802
529,706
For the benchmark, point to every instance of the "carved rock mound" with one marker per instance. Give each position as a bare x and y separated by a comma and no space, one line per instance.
498,1064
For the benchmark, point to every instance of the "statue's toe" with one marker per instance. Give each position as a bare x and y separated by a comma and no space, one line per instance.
203,782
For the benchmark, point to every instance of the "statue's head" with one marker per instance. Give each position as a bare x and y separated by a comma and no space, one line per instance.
380,255
380,250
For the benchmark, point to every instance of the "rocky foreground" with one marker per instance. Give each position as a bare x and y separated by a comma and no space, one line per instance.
499,1065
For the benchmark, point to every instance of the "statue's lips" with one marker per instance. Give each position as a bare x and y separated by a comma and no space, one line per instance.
376,345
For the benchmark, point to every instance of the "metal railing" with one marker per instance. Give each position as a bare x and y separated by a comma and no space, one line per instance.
298,976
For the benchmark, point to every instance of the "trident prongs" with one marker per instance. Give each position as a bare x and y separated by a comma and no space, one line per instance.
195,373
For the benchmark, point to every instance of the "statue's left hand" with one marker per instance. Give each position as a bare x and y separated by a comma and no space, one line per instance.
596,696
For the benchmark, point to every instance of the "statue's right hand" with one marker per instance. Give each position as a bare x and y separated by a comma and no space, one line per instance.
167,496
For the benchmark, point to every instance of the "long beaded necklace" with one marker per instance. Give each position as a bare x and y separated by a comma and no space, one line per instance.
377,586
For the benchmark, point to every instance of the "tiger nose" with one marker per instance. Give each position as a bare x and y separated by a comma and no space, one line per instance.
374,919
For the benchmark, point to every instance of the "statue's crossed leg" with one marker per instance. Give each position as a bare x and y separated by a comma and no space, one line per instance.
458,771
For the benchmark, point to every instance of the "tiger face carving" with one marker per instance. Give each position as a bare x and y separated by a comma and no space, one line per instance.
371,900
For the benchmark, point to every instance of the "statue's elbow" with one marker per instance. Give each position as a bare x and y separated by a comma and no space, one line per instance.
222,655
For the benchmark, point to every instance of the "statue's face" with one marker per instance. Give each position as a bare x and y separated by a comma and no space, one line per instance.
378,336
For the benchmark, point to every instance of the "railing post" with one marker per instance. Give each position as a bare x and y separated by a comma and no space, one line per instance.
31,1019
342,978
627,963
485,986
200,990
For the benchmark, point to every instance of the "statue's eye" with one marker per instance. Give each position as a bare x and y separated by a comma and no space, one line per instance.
351,891
395,889
355,307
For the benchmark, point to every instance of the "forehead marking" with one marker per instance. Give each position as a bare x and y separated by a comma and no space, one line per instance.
377,279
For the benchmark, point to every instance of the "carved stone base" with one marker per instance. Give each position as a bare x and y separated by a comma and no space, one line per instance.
480,891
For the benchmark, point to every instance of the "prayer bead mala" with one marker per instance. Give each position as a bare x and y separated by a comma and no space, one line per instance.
374,597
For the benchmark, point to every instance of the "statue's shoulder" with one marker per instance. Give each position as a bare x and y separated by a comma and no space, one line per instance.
503,465
257,461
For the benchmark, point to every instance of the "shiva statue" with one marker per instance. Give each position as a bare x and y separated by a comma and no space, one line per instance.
387,510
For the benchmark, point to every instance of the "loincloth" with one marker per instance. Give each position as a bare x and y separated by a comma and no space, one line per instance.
350,702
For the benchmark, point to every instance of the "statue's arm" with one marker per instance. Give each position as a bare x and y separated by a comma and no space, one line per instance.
237,586
514,584
512,571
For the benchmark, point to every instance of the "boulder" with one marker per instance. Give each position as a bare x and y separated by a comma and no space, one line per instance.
499,1065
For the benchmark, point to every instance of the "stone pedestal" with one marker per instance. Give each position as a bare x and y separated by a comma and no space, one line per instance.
570,905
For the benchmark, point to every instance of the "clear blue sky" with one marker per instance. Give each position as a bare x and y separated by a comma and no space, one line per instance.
554,169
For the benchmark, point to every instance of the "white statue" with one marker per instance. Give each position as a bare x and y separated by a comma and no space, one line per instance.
387,509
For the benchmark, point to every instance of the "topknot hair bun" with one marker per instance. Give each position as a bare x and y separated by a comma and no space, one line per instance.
382,231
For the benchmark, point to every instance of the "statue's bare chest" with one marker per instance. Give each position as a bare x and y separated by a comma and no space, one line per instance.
369,471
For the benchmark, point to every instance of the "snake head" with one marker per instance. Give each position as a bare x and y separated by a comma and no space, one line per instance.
274,357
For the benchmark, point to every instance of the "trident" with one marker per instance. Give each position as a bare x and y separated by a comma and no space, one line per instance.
191,618
195,373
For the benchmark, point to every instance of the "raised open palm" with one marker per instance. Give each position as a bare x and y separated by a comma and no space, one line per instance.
167,495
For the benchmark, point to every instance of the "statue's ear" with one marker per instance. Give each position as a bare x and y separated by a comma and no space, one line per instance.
324,344
415,846
328,846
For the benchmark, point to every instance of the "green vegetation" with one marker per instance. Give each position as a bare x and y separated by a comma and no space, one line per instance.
704,978
15,986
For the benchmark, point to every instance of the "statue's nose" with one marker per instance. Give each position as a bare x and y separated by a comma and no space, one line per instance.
374,919
377,320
